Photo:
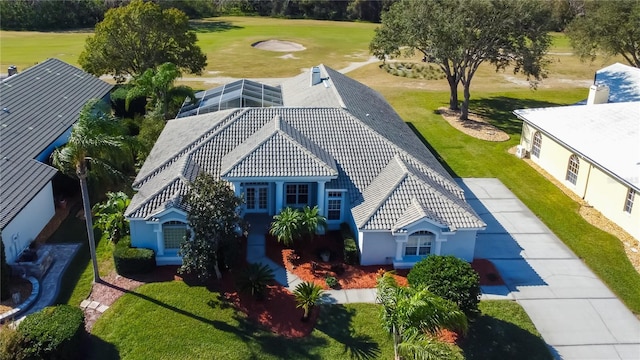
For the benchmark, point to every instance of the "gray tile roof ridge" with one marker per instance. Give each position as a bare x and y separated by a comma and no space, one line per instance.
333,88
407,218
312,149
135,207
216,128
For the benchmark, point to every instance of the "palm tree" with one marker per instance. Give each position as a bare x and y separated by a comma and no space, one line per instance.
110,215
95,140
311,220
414,316
255,279
158,85
286,226
307,295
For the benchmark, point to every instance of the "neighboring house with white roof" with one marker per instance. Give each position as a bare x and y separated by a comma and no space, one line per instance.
594,148
39,106
330,142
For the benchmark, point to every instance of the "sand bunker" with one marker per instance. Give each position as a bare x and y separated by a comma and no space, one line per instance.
278,45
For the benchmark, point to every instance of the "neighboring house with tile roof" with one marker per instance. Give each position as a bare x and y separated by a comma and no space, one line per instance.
39,107
594,148
334,143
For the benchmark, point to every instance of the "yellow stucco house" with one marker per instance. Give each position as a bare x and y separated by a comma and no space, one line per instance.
593,147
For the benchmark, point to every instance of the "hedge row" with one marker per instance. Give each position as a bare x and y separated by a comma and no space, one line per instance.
53,333
350,247
130,260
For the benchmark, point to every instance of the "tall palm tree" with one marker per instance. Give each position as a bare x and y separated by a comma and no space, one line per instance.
158,86
307,295
311,221
95,142
286,226
414,316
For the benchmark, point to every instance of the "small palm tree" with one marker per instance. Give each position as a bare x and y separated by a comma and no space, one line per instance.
158,86
110,215
307,295
414,316
255,278
311,220
95,139
286,226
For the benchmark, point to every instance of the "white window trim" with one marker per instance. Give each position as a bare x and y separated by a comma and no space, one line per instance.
341,198
569,172
297,194
629,200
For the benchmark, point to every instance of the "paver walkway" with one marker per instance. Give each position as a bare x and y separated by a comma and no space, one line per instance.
576,314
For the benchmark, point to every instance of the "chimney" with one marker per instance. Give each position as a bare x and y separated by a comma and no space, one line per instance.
315,76
598,94
12,70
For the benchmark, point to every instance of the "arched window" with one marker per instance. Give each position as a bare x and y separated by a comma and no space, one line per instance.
174,233
537,144
420,243
572,169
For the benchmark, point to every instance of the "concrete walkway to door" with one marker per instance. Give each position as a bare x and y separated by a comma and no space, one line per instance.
576,314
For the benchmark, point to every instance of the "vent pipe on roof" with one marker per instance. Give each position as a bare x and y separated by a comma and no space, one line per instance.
12,70
598,94
315,76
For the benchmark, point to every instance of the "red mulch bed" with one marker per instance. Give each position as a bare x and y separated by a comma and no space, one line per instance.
310,267
489,275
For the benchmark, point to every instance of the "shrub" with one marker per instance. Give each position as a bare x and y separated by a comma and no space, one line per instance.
255,278
53,333
130,260
11,344
331,281
450,278
350,248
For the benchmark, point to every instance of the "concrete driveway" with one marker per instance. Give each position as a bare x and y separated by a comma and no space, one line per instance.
577,315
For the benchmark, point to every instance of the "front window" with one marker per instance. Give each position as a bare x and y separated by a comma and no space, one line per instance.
174,233
420,243
572,169
297,194
628,204
334,205
537,144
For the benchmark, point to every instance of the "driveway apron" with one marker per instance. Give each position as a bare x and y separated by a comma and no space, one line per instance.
576,314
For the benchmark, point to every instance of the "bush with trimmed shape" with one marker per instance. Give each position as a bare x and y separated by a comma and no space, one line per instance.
450,278
130,260
350,247
52,333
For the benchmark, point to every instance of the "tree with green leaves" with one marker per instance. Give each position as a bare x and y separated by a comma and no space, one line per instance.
158,86
460,35
110,215
311,221
96,142
286,226
414,316
141,36
307,295
214,223
609,27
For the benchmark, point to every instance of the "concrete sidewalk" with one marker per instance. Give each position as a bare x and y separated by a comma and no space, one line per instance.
576,314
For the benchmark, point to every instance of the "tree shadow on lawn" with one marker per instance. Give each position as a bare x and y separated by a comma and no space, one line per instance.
96,349
201,26
431,149
498,111
491,338
335,321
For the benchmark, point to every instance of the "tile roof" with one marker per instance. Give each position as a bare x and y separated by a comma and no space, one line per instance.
607,134
39,105
321,127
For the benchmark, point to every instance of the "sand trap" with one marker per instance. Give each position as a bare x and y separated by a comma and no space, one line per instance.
278,45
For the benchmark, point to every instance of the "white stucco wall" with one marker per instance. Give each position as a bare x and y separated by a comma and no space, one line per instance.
24,228
462,244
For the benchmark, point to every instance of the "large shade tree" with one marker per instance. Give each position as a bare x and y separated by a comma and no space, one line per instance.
96,143
141,36
158,85
414,316
609,27
460,35
215,223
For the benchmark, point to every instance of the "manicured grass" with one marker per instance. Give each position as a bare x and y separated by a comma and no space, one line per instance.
176,321
504,331
77,280
468,157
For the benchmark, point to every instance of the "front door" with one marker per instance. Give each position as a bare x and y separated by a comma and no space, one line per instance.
255,197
